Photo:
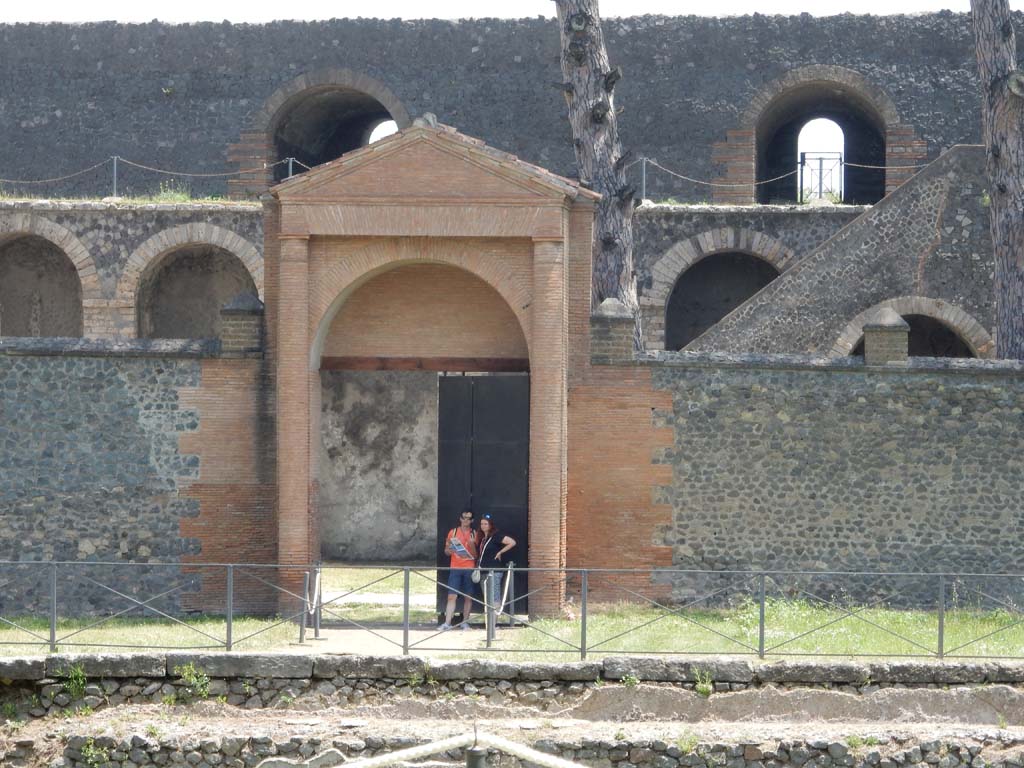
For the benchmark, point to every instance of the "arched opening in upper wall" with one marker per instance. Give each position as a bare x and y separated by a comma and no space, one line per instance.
321,116
181,294
863,123
709,290
929,338
40,290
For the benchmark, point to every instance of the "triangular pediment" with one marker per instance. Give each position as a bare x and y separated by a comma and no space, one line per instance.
425,163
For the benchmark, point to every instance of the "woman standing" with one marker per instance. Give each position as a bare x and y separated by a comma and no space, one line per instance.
494,546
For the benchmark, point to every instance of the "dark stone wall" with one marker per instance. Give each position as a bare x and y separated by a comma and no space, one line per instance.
789,464
92,471
176,96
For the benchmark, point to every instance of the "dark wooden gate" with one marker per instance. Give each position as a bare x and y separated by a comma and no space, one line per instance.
483,460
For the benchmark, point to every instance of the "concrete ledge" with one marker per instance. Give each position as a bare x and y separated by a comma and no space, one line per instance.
22,668
719,669
108,664
283,665
396,667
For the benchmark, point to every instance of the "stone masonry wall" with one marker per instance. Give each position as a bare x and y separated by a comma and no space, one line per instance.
177,96
672,238
92,471
785,464
929,240
113,244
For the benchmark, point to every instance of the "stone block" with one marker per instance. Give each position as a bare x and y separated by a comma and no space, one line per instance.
353,665
244,664
586,671
813,672
108,664
22,668
474,669
720,669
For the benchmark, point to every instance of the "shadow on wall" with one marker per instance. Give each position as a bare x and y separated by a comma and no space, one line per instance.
40,291
709,290
182,294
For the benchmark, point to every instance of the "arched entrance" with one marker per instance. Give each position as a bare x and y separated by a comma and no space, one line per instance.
40,292
408,274
711,289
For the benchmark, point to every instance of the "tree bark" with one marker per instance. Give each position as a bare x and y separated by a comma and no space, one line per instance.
589,83
1002,88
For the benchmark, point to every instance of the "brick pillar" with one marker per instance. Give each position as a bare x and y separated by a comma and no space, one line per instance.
611,334
293,414
886,338
549,327
241,326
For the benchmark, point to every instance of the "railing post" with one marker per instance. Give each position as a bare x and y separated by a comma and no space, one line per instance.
643,178
489,607
53,608
114,158
405,611
318,600
291,167
942,615
305,608
511,595
760,618
583,616
229,608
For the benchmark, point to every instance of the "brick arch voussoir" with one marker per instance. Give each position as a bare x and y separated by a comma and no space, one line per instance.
266,118
818,73
77,253
685,253
964,325
153,250
337,282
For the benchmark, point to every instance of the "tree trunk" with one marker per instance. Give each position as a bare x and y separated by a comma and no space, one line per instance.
589,82
1002,89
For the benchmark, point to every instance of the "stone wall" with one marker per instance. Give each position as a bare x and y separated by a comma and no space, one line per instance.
672,238
927,244
795,464
92,469
115,246
378,466
177,96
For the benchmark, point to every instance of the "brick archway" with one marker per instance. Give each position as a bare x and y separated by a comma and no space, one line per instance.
255,148
94,307
334,284
682,255
966,327
425,195
738,153
150,253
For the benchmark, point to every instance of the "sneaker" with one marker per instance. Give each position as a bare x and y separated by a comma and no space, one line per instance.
444,627
464,625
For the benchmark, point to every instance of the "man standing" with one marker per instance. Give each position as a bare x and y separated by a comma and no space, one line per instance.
461,546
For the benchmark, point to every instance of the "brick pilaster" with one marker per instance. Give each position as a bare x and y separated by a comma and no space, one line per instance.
549,323
293,406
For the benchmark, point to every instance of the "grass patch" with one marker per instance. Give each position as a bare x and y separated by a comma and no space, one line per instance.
388,580
144,633
632,628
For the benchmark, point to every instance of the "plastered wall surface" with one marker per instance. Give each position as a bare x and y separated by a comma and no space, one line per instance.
378,465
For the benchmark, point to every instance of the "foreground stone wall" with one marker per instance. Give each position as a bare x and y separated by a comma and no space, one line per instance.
790,463
140,91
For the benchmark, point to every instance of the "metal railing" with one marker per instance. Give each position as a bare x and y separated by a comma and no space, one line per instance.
62,605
